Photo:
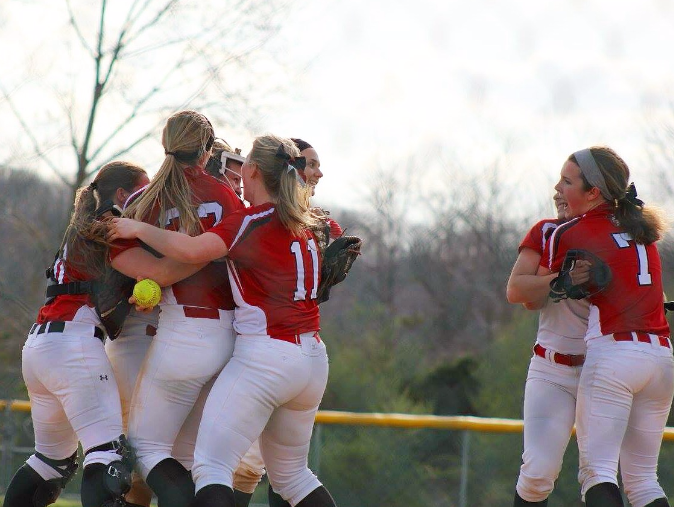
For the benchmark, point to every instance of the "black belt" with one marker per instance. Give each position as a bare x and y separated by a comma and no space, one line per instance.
58,326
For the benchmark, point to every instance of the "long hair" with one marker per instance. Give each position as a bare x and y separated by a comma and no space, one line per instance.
282,183
646,224
186,137
85,236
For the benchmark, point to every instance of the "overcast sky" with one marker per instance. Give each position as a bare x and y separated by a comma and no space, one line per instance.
454,86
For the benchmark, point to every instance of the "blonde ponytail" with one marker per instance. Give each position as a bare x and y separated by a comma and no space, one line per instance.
186,137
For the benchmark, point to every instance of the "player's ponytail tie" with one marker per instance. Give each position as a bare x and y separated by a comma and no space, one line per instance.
93,185
631,196
172,153
290,163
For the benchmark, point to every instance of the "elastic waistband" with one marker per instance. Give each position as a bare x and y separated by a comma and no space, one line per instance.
640,336
556,357
67,327
180,312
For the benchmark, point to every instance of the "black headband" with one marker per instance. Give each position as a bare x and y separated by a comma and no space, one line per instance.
289,161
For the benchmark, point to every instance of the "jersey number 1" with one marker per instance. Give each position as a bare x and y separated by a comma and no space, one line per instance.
296,249
623,241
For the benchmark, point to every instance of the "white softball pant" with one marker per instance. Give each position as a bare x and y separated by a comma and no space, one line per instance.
270,389
73,394
549,412
185,354
126,355
624,398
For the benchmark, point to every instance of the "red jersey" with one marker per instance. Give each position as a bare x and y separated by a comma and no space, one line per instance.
274,274
538,235
633,299
209,287
68,307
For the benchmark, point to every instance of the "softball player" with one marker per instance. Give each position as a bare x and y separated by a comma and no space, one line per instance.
70,381
273,385
194,338
554,371
627,383
225,165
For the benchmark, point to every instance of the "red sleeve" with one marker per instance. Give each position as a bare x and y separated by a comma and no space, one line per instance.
227,230
122,245
537,236
335,229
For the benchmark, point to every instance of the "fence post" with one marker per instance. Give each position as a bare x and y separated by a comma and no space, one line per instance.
7,436
463,488
315,449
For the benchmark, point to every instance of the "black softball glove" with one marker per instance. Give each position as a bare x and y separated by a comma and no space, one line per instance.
337,261
562,287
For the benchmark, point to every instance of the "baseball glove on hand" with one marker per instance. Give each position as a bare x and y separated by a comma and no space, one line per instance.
564,287
337,261
111,298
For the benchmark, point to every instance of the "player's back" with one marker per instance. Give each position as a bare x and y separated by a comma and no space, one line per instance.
633,299
274,273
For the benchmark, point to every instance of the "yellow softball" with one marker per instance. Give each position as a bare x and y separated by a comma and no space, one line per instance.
147,292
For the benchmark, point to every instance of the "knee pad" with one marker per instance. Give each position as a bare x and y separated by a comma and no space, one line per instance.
29,489
115,450
105,485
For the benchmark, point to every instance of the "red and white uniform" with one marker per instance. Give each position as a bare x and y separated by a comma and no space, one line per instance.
627,382
194,341
276,378
552,383
69,379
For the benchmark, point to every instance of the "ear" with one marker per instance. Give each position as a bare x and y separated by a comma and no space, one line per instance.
593,194
121,196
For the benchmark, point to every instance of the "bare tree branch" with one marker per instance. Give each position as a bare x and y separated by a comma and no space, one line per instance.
36,145
76,27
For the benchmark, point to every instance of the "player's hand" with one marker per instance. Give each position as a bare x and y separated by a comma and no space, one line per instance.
580,272
140,308
123,228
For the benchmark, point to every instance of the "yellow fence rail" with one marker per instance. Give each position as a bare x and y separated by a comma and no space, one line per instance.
466,423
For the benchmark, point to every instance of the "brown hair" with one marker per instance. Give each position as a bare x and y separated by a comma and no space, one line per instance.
186,137
645,224
282,183
85,235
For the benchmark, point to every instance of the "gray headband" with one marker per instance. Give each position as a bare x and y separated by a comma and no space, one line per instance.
590,169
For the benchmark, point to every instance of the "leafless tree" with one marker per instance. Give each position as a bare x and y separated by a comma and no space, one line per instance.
105,79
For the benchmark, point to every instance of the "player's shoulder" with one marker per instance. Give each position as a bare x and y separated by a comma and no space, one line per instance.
545,227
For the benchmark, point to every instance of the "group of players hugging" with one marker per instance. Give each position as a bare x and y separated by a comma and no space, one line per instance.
603,355
222,380
196,398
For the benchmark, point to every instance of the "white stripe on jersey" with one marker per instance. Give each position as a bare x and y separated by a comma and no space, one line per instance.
246,222
248,319
546,227
60,267
133,196
554,236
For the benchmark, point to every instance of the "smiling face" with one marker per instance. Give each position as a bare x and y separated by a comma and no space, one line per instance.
312,172
573,198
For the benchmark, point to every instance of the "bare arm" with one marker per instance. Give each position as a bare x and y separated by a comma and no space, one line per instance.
136,262
527,283
176,245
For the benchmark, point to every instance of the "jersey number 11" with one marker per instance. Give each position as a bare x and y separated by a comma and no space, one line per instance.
296,249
